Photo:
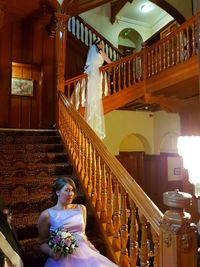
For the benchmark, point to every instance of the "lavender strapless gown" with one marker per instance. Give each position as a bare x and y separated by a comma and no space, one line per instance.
84,255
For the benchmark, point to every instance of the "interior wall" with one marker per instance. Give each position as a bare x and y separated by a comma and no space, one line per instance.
27,43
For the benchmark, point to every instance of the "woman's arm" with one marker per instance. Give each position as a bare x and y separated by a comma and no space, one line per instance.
44,232
85,218
105,57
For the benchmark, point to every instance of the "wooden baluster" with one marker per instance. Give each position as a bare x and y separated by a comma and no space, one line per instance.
164,55
109,225
103,215
144,262
91,167
108,82
155,238
103,82
134,70
124,75
116,242
82,170
86,163
193,40
133,247
182,46
129,74
178,47
119,78
114,78
139,67
149,64
168,53
172,52
156,60
152,62
187,44
98,185
94,177
124,258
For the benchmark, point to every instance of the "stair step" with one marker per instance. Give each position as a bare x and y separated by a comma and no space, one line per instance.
28,158
27,132
37,139
30,148
36,169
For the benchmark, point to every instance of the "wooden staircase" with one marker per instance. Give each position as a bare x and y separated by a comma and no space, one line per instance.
30,160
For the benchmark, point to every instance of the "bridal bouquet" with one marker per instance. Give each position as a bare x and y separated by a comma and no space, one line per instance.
62,241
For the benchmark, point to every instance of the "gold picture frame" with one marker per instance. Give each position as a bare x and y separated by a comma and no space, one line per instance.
22,87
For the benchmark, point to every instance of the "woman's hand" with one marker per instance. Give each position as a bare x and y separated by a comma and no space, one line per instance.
55,255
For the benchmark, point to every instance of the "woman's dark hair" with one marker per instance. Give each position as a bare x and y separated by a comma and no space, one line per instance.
96,42
59,184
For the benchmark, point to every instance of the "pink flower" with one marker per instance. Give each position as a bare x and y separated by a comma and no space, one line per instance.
56,239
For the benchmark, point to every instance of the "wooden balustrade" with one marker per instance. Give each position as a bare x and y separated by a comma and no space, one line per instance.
125,73
112,191
129,221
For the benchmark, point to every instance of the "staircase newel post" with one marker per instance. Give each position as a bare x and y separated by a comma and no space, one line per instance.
178,246
57,28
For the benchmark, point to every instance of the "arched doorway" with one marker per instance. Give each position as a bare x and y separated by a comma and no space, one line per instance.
129,41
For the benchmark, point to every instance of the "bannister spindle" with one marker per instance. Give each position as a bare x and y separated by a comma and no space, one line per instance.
168,53
164,55
124,259
144,259
91,167
152,62
109,225
116,242
98,185
133,247
103,215
94,176
86,163
178,48
155,251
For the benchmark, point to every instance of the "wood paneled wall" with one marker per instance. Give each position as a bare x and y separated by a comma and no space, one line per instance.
151,173
29,44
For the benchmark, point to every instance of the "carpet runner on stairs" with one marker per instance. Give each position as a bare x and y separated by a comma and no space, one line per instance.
30,160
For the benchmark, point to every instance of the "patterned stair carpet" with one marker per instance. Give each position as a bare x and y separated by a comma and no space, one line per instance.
30,160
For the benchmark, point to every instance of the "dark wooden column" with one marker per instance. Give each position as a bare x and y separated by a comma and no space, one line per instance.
61,38
2,13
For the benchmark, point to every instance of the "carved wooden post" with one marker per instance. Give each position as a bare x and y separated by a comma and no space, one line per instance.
61,35
2,12
177,234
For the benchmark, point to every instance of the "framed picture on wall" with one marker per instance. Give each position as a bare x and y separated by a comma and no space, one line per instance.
22,87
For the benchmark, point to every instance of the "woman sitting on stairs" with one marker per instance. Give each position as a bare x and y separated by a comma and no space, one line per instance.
70,218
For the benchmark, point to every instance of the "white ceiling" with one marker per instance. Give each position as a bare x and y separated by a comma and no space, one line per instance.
132,12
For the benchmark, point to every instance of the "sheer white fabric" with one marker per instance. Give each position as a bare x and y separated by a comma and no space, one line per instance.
92,99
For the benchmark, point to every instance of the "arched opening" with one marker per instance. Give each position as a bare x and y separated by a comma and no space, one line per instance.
129,41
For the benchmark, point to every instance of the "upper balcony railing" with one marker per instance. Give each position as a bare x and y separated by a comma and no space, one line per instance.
178,47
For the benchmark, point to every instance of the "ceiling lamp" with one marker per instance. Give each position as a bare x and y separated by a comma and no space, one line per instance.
145,8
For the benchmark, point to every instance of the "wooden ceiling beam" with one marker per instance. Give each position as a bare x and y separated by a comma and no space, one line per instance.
116,7
75,7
